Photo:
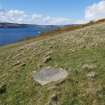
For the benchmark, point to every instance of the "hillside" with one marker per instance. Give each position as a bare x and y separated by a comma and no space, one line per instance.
11,25
80,52
41,28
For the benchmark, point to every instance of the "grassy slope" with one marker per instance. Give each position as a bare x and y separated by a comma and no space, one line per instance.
71,51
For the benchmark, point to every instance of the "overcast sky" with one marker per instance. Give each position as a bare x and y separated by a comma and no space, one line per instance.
51,11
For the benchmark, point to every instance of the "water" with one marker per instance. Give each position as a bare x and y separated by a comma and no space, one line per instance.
12,35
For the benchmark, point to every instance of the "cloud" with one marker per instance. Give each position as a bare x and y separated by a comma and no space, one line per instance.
95,11
18,16
12,16
92,12
41,19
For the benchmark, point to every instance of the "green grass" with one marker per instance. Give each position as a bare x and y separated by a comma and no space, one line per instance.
69,50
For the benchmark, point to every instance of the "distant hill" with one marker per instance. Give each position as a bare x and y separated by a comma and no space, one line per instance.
16,25
41,28
11,25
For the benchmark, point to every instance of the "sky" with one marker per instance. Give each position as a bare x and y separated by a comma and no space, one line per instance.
55,12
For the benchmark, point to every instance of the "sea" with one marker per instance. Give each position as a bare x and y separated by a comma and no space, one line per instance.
13,35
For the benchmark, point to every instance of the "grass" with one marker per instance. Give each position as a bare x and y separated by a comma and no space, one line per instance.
69,50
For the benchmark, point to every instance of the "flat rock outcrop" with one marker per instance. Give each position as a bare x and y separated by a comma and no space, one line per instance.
48,75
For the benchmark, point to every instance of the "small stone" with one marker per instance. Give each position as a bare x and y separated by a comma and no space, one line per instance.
2,88
88,67
100,92
47,59
54,98
17,55
21,48
51,46
39,65
23,64
49,53
16,63
91,75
